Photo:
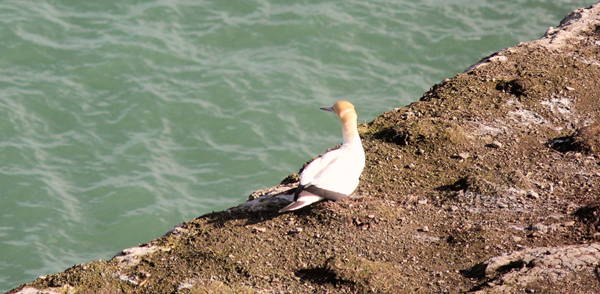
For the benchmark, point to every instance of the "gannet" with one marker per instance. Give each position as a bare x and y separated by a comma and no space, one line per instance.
335,174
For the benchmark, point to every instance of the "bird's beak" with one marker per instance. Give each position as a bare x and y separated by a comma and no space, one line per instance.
330,108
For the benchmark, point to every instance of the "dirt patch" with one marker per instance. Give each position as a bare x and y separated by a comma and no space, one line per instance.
589,214
587,139
514,87
367,276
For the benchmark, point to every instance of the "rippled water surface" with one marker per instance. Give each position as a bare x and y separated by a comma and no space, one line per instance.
120,119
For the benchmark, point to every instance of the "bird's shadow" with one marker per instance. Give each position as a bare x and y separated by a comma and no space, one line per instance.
220,218
265,207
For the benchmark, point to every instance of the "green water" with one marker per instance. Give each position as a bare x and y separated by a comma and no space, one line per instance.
120,119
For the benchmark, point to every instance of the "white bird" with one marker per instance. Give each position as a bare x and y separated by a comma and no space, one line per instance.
335,174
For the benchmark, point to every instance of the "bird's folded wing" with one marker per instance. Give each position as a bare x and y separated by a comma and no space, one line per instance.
317,166
325,193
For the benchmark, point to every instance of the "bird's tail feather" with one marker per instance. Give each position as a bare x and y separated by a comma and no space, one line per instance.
303,200
293,206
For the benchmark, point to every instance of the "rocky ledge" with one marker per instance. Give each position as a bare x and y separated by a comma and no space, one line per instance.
489,183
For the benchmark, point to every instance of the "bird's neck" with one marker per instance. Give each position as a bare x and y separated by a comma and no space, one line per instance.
350,131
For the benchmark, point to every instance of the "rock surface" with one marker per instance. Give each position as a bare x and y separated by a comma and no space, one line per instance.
543,265
490,183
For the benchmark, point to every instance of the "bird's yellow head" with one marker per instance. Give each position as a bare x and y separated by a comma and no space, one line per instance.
343,109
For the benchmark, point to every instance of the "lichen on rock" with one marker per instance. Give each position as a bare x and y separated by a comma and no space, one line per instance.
525,269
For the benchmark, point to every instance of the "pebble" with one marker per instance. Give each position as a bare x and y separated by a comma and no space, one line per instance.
533,194
259,229
555,216
539,227
295,231
371,216
464,155
424,229
569,88
517,238
422,202
495,144
499,58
